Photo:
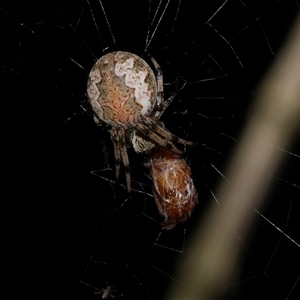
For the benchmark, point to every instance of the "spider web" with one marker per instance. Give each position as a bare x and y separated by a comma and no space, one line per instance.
69,228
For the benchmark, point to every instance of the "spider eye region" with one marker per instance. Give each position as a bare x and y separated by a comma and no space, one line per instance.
122,89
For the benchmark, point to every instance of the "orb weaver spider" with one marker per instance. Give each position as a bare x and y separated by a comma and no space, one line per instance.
125,94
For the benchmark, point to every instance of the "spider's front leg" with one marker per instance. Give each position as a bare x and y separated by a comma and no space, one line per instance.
159,109
120,153
161,104
159,81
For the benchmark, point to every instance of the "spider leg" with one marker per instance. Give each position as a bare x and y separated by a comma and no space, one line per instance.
159,81
155,126
125,160
148,131
116,142
163,106
120,151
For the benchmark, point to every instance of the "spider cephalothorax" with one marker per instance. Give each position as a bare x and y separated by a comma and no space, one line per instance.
125,94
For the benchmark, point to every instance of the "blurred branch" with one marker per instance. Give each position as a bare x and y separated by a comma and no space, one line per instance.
213,254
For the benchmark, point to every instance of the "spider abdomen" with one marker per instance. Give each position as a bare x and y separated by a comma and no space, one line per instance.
122,89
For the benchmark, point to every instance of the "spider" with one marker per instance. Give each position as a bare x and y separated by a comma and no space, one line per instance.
107,292
125,94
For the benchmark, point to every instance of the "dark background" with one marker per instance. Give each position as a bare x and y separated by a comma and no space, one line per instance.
68,227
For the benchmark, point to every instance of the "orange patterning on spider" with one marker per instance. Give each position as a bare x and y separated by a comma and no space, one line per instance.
173,187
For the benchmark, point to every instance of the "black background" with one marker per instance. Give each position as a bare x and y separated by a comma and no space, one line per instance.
57,214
